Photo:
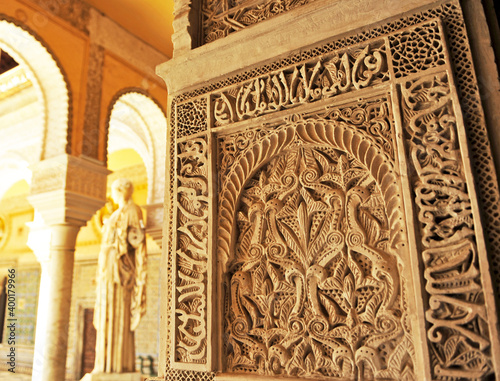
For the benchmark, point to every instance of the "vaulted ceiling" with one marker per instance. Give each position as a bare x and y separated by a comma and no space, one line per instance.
149,20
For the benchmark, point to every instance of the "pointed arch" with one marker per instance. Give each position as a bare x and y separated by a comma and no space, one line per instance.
314,131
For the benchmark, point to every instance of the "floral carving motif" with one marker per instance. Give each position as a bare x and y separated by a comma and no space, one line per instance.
456,312
191,252
331,75
220,18
314,286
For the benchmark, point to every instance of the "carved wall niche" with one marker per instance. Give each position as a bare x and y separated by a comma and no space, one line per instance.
313,285
324,220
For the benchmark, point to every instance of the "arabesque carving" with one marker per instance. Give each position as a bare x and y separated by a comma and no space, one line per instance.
291,235
458,325
315,288
322,78
191,252
220,18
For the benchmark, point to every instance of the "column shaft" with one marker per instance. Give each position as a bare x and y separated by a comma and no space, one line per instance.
57,311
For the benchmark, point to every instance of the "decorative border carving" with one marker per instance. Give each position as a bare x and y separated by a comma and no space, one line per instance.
191,255
458,333
90,144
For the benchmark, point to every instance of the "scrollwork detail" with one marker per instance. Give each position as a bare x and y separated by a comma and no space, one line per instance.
191,252
458,329
315,288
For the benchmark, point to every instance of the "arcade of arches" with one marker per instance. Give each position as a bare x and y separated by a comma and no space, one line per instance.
319,181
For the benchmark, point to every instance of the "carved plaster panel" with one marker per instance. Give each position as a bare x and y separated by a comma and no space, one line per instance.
191,265
458,331
343,206
314,287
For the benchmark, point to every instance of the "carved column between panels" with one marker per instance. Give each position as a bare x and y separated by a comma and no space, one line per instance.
66,191
347,236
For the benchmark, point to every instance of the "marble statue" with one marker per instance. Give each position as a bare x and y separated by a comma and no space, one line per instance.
121,281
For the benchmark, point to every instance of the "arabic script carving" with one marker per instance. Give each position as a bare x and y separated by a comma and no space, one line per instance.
456,313
191,253
329,76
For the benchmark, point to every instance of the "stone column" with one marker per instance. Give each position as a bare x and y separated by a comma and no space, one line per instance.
66,191
39,241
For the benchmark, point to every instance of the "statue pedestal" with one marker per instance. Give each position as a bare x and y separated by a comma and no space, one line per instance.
112,377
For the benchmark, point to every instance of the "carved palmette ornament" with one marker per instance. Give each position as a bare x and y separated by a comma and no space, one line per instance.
315,288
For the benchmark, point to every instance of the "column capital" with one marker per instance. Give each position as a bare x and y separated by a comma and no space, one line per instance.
68,190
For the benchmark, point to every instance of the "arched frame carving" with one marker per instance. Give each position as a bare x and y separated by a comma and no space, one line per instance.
330,244
388,102
308,132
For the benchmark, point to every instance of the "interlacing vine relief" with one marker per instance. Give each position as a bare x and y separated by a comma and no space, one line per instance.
220,18
191,251
315,288
456,312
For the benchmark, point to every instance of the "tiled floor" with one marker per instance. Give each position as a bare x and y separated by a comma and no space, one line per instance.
14,376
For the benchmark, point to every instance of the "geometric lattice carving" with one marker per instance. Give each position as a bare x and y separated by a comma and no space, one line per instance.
314,286
417,49
458,325
191,117
187,375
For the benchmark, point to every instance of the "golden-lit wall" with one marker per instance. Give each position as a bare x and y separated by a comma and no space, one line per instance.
71,49
16,211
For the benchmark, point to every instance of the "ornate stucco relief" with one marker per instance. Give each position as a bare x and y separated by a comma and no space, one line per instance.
458,333
220,18
312,226
191,252
314,282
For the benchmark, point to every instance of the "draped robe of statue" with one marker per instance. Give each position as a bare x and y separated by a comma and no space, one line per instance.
121,293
